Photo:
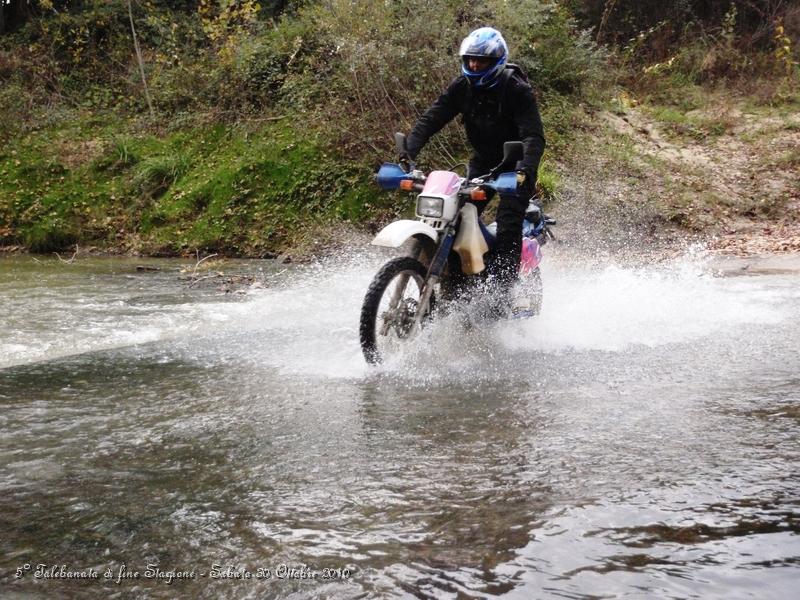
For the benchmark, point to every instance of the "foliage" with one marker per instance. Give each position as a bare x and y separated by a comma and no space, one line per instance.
784,56
714,53
389,67
377,62
227,22
671,24
217,188
560,57
272,113
16,103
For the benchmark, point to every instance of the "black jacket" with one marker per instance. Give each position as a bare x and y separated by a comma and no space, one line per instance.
506,112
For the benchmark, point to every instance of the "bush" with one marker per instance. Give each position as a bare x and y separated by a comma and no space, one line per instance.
745,41
389,67
338,78
154,175
559,56
17,104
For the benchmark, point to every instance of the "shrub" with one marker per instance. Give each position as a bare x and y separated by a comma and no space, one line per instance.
154,175
389,67
17,104
559,56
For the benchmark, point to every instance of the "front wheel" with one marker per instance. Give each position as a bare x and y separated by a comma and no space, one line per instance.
389,312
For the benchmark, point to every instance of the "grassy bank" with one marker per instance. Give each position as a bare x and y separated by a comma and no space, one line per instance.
723,165
247,189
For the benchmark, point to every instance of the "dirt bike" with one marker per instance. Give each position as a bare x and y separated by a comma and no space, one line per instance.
403,294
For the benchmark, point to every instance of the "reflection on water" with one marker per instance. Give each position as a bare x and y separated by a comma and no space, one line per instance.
654,458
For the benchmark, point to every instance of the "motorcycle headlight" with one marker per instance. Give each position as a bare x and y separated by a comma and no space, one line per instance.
429,207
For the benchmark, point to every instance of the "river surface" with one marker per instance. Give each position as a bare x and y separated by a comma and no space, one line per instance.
639,439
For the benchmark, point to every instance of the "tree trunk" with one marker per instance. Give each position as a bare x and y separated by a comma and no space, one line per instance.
604,19
140,61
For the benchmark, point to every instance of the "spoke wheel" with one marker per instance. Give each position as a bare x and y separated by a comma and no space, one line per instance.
389,312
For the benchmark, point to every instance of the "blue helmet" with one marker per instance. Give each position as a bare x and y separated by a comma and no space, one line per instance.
485,42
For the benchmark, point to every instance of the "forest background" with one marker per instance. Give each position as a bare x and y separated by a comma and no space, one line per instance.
253,127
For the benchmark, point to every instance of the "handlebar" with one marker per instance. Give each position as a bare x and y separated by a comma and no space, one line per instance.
392,176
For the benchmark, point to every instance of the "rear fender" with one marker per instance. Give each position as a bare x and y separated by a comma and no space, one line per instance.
398,233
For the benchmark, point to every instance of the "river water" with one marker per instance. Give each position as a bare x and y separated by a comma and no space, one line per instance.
639,439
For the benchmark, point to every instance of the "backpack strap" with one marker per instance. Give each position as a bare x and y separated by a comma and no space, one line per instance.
506,76
518,70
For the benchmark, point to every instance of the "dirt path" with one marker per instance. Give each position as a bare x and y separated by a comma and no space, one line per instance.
726,171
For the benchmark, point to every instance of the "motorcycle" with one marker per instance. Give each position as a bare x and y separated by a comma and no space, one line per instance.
402,297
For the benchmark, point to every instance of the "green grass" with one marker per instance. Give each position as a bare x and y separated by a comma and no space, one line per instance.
156,174
549,181
213,188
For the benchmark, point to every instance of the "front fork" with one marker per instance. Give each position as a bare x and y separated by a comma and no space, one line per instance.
394,301
435,272
431,279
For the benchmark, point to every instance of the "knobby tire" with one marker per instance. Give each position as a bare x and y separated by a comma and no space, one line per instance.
372,301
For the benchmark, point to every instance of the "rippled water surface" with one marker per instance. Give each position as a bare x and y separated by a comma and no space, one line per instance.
637,440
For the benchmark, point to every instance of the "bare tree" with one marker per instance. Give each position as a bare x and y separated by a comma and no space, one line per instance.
606,14
140,60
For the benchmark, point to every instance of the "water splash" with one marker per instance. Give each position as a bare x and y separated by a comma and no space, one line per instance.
306,322
615,308
310,322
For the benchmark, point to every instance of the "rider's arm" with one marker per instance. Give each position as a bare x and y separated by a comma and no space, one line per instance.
529,123
437,116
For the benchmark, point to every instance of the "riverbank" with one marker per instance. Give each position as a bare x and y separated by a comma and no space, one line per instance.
249,189
256,132
633,174
726,174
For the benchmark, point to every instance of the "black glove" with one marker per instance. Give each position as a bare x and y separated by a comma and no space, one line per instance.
526,185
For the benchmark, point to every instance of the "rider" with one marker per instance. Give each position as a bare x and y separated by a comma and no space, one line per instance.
497,105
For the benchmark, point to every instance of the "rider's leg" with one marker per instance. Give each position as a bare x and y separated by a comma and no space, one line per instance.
454,286
505,263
